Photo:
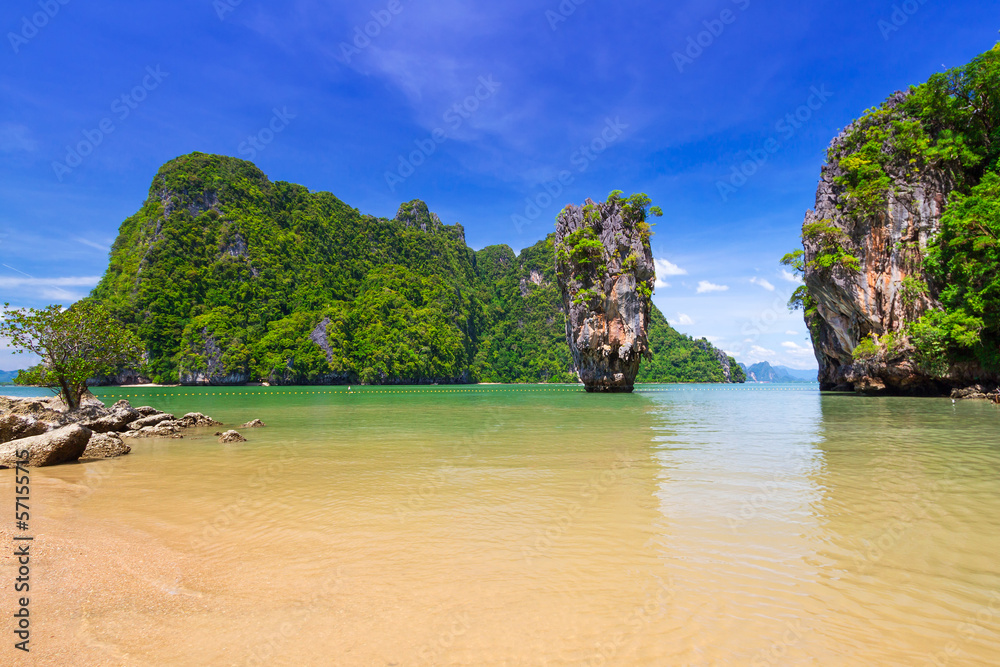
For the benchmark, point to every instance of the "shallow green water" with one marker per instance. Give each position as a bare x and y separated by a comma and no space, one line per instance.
491,525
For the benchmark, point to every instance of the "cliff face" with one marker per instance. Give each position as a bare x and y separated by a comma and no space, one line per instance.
605,268
854,301
889,299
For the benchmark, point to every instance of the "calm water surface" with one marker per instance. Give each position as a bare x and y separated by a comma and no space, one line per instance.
694,525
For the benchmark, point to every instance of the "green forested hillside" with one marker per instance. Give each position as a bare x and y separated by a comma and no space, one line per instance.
228,277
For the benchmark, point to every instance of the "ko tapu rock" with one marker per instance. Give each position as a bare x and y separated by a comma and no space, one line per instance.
605,271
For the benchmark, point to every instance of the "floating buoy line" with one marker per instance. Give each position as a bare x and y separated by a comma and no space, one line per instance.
464,390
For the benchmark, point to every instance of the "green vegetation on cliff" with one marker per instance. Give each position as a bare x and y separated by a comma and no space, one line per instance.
227,277
679,358
948,127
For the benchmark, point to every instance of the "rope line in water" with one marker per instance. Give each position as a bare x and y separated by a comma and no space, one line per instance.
444,391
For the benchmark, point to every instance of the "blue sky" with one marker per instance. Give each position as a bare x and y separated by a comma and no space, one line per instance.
496,114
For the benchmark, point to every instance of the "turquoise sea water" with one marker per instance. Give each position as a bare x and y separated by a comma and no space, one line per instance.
541,525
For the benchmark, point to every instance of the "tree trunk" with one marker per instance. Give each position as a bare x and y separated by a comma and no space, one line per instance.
70,397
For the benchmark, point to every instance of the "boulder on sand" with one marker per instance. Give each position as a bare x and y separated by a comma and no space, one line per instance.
105,446
231,436
14,427
48,449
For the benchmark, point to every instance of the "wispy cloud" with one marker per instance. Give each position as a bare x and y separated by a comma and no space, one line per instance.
706,286
81,281
791,277
762,283
684,319
15,138
92,244
796,349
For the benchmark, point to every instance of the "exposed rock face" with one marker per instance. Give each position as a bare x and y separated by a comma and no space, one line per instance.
48,449
723,358
851,305
105,446
215,371
605,271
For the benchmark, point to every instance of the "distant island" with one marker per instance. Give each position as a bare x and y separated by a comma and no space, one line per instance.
765,372
229,278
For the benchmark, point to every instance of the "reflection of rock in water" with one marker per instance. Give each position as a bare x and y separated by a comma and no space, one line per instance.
605,269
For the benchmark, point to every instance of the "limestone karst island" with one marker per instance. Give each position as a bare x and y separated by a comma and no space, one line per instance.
500,334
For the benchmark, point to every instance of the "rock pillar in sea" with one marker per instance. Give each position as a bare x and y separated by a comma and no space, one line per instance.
604,266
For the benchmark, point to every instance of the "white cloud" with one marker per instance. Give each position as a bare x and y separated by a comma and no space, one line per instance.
664,267
50,289
705,286
759,353
763,283
791,333
796,349
684,319
791,277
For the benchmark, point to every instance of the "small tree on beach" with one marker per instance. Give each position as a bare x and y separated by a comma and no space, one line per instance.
75,344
